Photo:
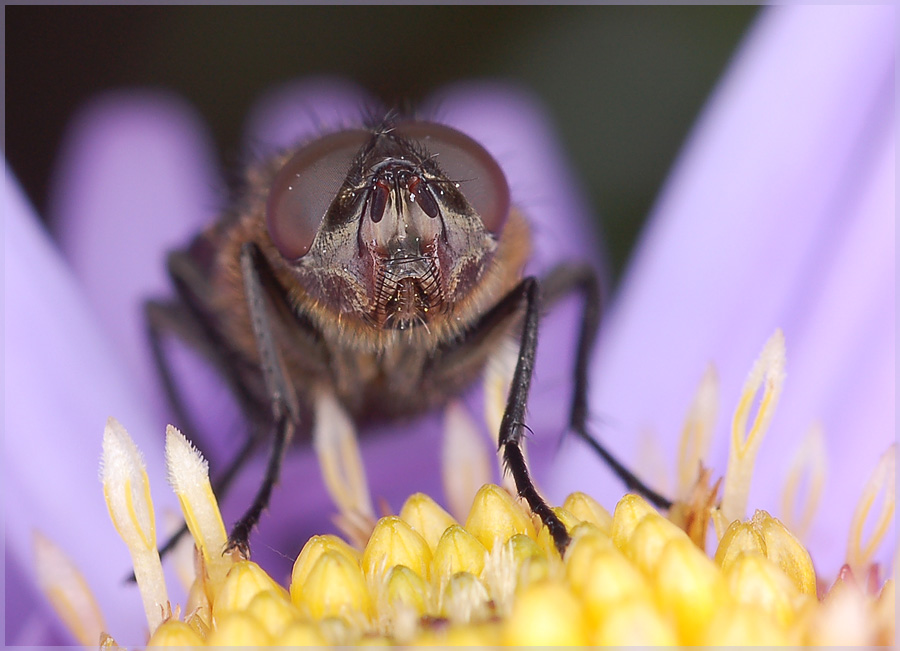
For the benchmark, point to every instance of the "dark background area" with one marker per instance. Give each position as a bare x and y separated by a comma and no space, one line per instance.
623,84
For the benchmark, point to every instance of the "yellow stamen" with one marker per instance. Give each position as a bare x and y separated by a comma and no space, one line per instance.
466,463
127,492
189,477
881,484
336,445
809,464
767,373
697,431
67,590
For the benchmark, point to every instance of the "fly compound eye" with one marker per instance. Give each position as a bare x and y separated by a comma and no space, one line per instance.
468,164
305,187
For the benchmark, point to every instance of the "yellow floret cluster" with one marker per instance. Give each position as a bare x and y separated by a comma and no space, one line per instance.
630,578
494,576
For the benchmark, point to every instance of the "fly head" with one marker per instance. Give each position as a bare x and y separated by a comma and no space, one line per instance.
393,225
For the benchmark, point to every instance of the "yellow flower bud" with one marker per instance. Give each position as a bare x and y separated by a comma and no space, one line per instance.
586,543
236,628
300,633
405,587
587,509
530,560
745,626
754,579
174,633
457,551
688,585
335,585
786,551
739,538
274,611
630,510
465,599
340,632
649,538
496,516
243,582
633,622
610,578
481,634
426,517
312,550
546,613
393,542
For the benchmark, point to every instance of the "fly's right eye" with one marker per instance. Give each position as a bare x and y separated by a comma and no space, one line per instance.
305,187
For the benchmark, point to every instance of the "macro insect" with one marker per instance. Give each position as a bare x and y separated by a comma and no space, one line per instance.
371,271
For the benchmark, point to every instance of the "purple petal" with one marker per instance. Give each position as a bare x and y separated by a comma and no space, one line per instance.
780,214
297,111
65,379
135,179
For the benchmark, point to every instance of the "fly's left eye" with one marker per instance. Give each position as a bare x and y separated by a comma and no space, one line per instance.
467,163
305,187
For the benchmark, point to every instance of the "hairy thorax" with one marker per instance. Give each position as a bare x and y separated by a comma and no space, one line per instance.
375,368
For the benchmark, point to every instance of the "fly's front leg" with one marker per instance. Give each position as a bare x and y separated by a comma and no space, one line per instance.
561,282
285,410
513,423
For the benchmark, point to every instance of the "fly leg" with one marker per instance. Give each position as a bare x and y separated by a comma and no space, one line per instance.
285,409
186,319
474,345
560,282
513,423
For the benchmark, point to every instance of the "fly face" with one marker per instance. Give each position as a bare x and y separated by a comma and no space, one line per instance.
392,227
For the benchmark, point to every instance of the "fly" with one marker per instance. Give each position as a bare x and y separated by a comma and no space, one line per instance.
371,271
